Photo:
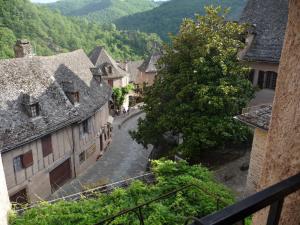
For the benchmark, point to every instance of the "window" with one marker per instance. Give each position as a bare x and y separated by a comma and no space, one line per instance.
109,69
271,80
82,157
23,161
47,145
73,96
18,163
261,79
85,126
34,110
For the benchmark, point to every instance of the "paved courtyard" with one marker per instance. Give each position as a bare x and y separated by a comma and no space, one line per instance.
123,159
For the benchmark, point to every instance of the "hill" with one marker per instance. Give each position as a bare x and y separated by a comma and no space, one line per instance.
169,15
102,11
51,33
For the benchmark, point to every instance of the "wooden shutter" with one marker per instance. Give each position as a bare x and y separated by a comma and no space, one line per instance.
111,82
47,145
27,159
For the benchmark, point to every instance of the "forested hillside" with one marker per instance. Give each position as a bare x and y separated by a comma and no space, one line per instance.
50,32
169,15
102,11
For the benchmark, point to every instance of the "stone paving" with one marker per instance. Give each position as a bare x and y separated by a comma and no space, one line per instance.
123,159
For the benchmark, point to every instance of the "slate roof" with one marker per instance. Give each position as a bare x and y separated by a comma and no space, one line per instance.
150,65
41,78
269,18
100,57
259,116
133,69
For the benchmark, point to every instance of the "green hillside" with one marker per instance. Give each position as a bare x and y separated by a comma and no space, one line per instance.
50,32
103,11
169,15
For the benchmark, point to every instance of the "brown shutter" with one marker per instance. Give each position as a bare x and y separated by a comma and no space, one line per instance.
47,145
27,159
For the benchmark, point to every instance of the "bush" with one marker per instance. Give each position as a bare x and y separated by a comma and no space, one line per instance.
173,210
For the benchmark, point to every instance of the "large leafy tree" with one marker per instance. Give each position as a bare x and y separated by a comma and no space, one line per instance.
200,86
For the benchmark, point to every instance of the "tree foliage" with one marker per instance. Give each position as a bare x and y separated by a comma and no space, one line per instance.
168,16
51,33
194,201
200,87
102,11
119,95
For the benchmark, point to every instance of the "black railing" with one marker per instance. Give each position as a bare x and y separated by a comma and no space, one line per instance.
235,214
138,210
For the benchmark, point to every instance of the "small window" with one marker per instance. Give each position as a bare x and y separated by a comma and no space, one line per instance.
82,157
18,163
34,110
73,96
85,126
47,145
109,69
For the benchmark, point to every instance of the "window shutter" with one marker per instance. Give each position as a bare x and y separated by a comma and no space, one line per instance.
27,159
47,145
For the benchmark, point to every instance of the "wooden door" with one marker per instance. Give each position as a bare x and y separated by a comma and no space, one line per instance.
60,175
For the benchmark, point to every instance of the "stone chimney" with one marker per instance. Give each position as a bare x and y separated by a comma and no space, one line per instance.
23,48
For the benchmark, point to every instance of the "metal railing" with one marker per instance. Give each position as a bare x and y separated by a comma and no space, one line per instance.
235,214
138,208
146,178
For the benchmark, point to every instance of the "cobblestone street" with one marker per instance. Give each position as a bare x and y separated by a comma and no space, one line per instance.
123,159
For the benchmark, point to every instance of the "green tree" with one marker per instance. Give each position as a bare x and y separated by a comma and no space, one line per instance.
198,200
119,95
200,86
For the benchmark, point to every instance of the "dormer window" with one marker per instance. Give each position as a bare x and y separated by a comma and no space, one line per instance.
73,97
35,110
72,91
109,69
31,105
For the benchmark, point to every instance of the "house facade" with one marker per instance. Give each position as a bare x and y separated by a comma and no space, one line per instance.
264,42
258,118
112,74
53,120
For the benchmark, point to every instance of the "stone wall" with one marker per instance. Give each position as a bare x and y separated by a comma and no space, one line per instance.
4,200
258,154
283,142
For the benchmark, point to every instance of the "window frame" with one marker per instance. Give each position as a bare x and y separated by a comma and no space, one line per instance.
47,147
85,126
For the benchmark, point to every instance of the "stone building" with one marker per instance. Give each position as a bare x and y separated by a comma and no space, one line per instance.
257,118
267,20
148,70
109,69
53,120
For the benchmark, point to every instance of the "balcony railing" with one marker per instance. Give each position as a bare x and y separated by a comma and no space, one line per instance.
235,214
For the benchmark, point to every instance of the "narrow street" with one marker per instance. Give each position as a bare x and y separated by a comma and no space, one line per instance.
123,159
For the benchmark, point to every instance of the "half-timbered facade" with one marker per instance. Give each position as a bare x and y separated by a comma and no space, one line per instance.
53,121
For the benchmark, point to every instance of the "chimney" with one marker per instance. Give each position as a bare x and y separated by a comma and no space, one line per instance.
97,73
23,49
